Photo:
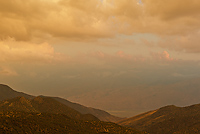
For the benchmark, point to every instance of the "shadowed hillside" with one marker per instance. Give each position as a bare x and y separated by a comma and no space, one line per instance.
102,115
42,105
167,120
8,93
46,115
26,122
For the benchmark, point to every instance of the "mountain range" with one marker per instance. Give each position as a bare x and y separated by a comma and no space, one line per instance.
8,93
29,114
46,115
23,113
43,105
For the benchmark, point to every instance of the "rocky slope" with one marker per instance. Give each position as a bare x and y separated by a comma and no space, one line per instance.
167,120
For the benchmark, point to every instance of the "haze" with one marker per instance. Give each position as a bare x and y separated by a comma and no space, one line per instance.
124,56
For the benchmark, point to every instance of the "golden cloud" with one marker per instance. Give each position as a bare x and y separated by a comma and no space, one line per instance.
94,19
164,56
10,50
185,43
172,9
123,58
5,71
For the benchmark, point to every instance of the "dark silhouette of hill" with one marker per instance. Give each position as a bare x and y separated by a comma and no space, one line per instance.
8,93
43,105
27,122
167,120
46,115
102,115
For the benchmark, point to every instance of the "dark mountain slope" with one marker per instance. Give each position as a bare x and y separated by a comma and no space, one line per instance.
167,120
7,93
25,122
102,115
43,105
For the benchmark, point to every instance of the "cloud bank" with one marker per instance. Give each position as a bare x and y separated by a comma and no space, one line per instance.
24,19
24,52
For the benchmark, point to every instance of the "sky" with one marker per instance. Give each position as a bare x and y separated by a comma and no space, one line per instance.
67,48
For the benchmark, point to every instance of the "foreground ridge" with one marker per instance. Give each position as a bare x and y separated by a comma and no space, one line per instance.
167,120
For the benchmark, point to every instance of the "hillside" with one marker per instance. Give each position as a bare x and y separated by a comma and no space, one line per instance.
167,120
42,105
102,115
8,93
46,115
26,122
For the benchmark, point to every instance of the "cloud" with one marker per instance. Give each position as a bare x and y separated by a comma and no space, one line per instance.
94,19
17,15
164,56
123,59
170,10
7,72
185,43
172,17
119,56
18,51
24,20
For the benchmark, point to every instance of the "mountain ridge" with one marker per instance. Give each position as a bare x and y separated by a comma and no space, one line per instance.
102,115
46,115
167,120
7,93
42,105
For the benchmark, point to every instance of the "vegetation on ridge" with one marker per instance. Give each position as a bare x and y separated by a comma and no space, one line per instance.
25,122
167,120
46,115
